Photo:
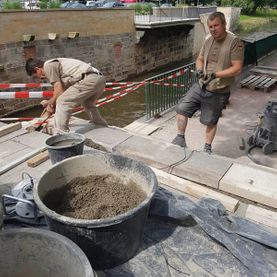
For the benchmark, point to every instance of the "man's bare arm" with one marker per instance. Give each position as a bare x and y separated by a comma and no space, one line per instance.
58,90
199,62
233,70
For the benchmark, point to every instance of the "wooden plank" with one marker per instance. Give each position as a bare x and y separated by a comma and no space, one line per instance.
251,183
38,159
270,84
261,215
9,128
246,80
253,85
263,82
195,190
252,81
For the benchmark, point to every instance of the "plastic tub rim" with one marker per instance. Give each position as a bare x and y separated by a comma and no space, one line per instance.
94,223
78,135
56,236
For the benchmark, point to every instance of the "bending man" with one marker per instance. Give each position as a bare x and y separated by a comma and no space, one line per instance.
75,83
220,59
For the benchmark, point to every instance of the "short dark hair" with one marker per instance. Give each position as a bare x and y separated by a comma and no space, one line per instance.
220,15
31,64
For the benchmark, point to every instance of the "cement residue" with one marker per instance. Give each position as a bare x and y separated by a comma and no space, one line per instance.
95,197
90,143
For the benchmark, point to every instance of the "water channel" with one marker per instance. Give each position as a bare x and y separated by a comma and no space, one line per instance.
122,111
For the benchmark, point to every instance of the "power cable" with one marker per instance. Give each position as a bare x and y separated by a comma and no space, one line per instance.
184,159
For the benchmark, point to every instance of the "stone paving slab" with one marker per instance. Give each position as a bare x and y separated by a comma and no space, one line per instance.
10,150
251,183
203,168
13,135
152,152
108,137
194,166
33,139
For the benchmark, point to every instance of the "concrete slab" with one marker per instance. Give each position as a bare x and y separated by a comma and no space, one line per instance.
141,128
13,135
251,183
203,168
10,150
195,166
152,152
33,139
109,137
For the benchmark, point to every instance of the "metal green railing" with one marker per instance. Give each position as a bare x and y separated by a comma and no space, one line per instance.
165,90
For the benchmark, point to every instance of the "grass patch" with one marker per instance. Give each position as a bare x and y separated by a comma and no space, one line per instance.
262,21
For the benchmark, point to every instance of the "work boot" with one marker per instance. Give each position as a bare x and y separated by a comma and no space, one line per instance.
180,141
96,118
207,148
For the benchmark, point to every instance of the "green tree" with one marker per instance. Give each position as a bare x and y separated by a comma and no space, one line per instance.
247,6
12,5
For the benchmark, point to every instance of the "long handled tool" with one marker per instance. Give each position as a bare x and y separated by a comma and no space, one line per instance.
40,124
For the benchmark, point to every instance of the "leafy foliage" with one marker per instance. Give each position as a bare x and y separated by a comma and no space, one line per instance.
44,4
248,6
142,9
12,5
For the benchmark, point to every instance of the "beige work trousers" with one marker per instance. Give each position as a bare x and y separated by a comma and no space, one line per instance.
84,93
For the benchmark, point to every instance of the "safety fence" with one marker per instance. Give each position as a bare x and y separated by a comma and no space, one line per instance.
163,91
14,91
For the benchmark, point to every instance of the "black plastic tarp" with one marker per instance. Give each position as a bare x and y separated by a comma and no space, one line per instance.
183,238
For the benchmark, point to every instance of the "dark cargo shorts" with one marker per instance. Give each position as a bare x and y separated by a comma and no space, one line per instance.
209,103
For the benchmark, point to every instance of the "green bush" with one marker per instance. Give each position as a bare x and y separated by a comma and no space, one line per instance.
43,4
142,9
12,5
246,6
54,4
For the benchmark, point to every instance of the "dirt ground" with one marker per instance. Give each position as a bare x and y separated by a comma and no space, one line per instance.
95,197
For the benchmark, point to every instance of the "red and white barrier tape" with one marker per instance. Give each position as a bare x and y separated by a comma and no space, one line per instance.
29,85
25,94
40,94
99,103
119,84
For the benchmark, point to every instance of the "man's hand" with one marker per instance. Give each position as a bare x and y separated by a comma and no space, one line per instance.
209,78
44,103
199,74
50,108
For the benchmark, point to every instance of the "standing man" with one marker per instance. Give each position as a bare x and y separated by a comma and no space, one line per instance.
75,83
220,59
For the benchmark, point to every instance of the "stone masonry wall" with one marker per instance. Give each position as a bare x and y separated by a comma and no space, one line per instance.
105,39
162,47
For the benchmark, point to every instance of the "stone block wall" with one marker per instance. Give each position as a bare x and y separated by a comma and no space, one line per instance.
161,47
105,38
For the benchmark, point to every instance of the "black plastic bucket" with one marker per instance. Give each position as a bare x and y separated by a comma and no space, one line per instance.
106,242
37,252
64,146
